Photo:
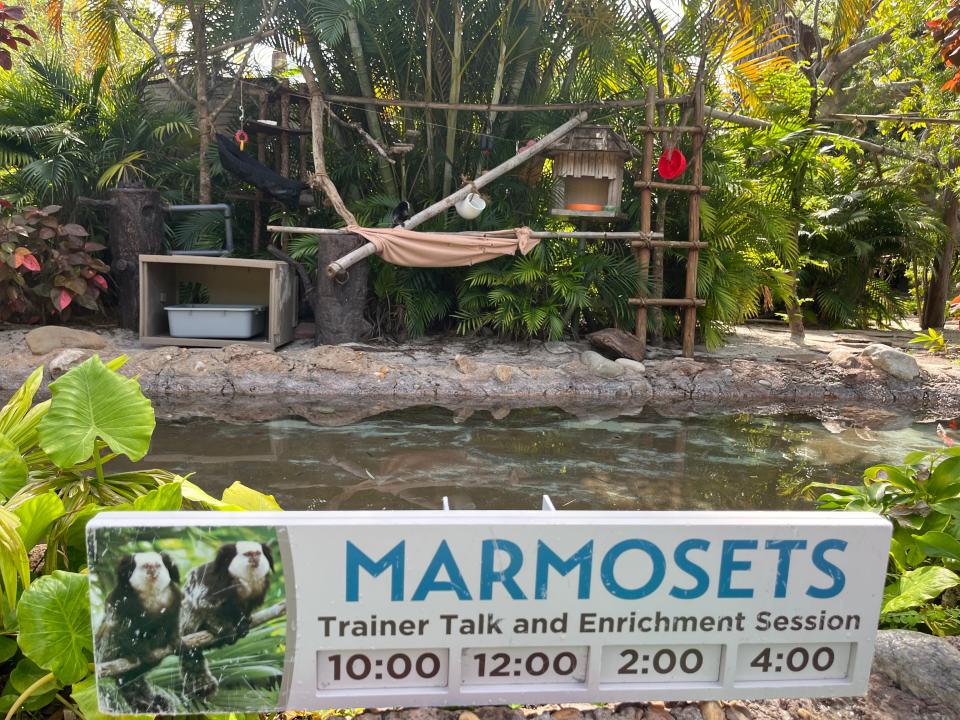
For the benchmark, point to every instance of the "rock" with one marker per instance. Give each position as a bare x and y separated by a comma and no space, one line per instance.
894,362
499,712
618,342
500,412
655,713
631,365
467,715
690,712
733,713
684,366
765,383
800,356
711,710
566,713
65,360
924,665
599,365
839,355
604,713
465,365
48,338
873,348
557,348
503,373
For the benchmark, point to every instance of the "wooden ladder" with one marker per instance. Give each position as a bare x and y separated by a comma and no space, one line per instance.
689,302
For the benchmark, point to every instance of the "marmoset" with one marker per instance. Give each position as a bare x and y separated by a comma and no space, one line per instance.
141,619
219,597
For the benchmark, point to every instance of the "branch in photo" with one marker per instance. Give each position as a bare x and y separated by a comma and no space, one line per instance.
189,642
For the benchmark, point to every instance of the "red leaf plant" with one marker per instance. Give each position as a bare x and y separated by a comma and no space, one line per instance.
47,269
14,35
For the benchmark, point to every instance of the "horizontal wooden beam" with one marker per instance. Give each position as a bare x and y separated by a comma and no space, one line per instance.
673,244
481,107
666,302
672,186
671,128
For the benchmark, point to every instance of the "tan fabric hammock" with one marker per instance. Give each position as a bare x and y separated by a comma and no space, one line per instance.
410,248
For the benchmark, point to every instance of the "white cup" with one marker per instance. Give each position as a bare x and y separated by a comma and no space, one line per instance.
471,206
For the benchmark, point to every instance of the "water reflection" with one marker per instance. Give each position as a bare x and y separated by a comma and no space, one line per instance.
410,459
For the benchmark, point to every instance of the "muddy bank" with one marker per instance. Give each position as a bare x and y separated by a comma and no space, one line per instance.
368,378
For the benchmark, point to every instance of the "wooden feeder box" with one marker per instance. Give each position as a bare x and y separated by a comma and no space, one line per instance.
588,165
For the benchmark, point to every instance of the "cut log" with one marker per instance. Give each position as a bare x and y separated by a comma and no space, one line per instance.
618,342
339,305
136,228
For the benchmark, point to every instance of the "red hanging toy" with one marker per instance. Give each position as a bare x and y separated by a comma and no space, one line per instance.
242,138
672,163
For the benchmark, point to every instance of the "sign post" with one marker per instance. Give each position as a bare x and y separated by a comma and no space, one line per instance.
472,607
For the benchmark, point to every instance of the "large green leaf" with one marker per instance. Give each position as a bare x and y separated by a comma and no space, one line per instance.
36,514
13,468
917,586
91,401
19,404
54,614
248,498
944,481
939,544
13,558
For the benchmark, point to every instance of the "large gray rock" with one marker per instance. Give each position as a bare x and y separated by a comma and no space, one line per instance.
65,360
893,362
632,365
601,366
924,665
48,338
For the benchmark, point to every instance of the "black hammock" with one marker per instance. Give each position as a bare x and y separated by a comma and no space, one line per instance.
248,169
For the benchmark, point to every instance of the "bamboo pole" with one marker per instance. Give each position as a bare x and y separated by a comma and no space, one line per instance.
693,222
671,186
539,234
667,302
338,266
643,253
483,107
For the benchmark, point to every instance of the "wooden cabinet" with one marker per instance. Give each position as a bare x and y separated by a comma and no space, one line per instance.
222,280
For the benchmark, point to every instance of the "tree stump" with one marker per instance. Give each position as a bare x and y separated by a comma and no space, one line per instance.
136,228
339,306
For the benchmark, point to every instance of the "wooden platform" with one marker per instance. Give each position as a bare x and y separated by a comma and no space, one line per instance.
227,280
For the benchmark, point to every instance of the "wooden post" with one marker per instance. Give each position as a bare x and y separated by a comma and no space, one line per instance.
261,158
643,253
693,221
285,127
303,145
136,228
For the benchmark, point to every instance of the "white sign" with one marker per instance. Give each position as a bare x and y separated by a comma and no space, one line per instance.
471,607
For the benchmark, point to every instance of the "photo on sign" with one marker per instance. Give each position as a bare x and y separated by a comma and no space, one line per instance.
187,620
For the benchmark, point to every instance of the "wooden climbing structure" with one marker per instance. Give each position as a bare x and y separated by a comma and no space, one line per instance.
653,241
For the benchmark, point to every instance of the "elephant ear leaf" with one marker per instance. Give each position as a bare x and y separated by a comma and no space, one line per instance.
92,402
13,468
54,614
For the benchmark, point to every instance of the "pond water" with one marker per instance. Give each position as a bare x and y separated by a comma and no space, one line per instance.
410,459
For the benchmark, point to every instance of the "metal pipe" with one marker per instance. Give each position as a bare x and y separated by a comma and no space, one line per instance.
227,211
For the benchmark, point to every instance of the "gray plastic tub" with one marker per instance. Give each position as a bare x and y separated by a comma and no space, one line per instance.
217,321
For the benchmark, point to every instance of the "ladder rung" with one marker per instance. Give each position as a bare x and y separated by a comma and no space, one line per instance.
679,244
671,186
667,302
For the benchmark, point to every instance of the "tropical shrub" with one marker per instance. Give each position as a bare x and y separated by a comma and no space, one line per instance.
47,266
14,38
53,479
921,498
559,286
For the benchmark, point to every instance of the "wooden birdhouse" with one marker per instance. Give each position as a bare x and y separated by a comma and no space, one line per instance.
588,165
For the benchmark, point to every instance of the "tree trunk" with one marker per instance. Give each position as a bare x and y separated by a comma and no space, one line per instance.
136,228
372,116
199,35
938,291
339,305
450,147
